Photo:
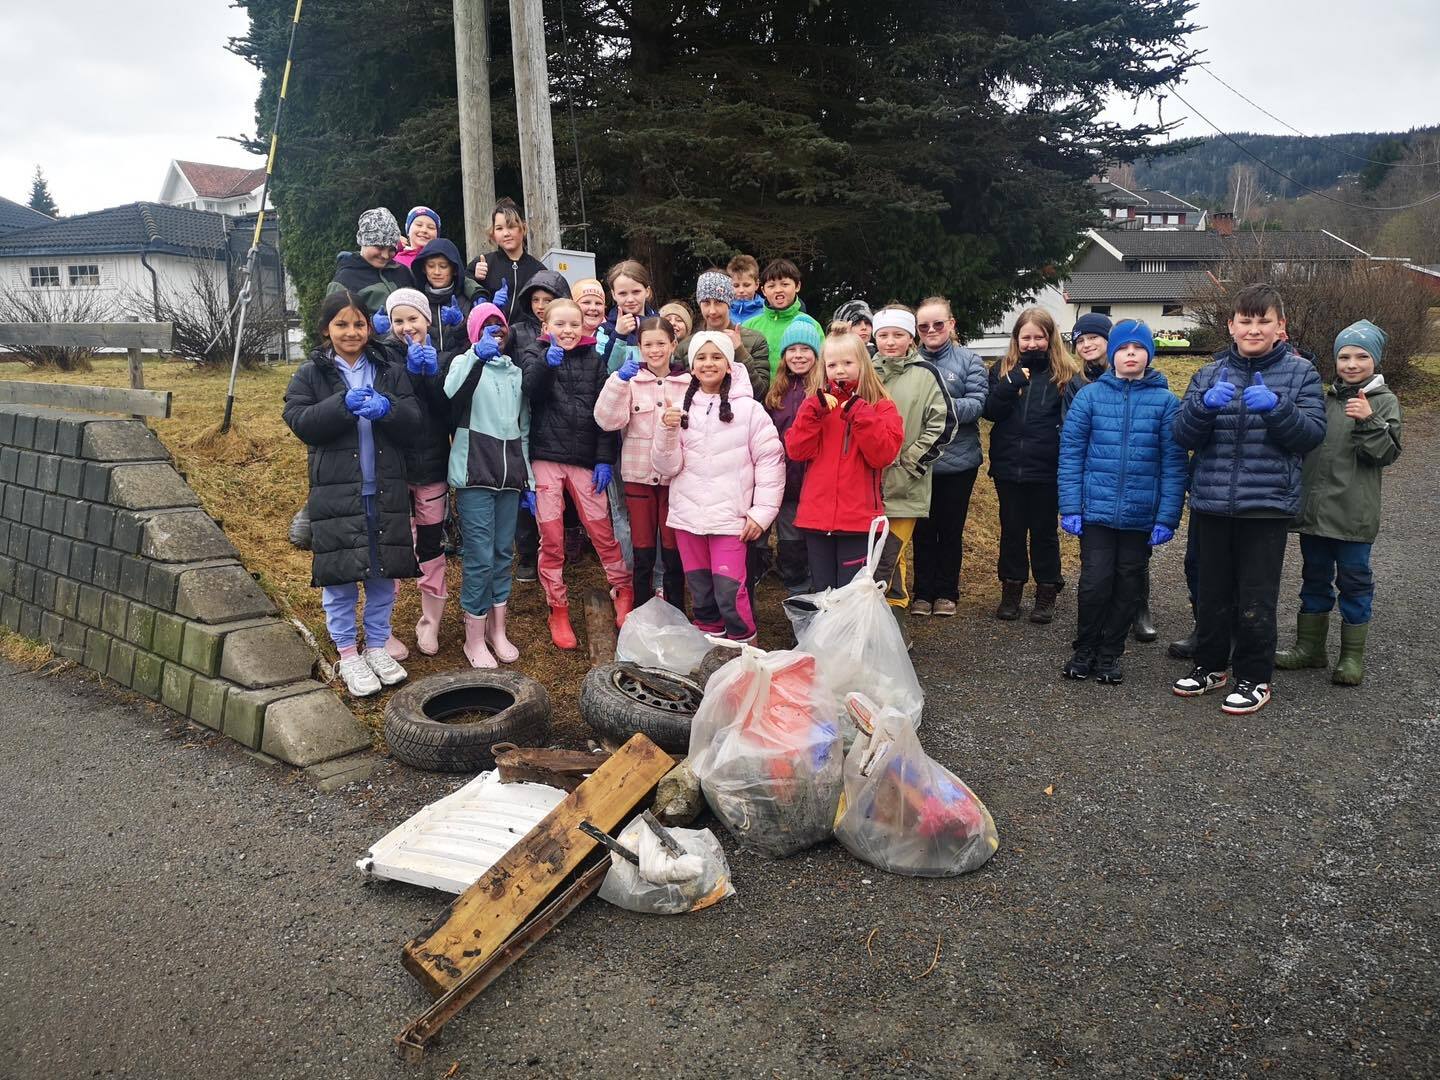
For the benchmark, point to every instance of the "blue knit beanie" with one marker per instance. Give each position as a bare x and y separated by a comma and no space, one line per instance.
1131,332
421,211
801,332
1363,335
1090,323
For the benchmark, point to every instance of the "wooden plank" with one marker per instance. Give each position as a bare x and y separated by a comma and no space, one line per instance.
137,369
113,399
600,634
484,916
121,335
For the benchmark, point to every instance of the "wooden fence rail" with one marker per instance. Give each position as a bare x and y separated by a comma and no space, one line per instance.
133,337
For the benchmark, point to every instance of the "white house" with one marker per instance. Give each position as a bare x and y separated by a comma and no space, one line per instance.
224,189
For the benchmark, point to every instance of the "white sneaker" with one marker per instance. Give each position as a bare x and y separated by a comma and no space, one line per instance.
359,679
384,666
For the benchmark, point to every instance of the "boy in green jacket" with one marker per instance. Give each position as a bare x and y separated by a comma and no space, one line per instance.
1340,506
781,285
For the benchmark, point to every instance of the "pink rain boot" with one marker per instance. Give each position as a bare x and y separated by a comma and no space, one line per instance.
432,605
505,650
475,650
396,649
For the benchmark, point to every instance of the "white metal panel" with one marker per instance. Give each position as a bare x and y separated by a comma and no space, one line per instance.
450,843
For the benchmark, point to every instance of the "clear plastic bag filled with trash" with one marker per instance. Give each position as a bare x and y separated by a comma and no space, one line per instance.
657,635
663,883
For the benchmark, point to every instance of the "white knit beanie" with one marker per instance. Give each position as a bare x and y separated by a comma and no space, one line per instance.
711,337
407,298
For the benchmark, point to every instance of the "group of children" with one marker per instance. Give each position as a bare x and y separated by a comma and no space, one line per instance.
538,403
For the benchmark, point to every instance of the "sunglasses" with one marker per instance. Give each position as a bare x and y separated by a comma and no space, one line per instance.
927,327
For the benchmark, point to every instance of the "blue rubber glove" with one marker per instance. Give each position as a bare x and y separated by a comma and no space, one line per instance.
375,407
355,399
1161,534
527,500
601,478
629,369
450,314
1221,394
420,359
1259,397
554,356
1073,524
502,295
381,322
488,347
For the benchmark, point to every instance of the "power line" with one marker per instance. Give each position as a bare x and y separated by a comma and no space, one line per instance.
1304,187
1358,157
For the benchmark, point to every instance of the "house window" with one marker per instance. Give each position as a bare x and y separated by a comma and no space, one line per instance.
1100,309
244,206
209,204
1152,266
44,277
84,274
1172,311
1172,219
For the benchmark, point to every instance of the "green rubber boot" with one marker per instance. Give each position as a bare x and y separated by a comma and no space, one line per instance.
1350,669
1309,651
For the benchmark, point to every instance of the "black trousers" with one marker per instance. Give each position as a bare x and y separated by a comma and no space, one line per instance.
1113,565
835,558
1029,517
940,539
1239,561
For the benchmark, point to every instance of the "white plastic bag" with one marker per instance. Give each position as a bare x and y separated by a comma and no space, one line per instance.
766,747
904,812
663,884
854,637
657,635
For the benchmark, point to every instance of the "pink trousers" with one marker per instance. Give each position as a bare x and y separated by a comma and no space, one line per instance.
552,480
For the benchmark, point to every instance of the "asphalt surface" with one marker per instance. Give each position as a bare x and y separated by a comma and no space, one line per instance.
1195,895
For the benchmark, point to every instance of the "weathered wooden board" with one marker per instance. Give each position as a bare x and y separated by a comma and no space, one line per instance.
483,917
600,633
113,399
121,335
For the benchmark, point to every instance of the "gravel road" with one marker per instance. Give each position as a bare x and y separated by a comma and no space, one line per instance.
1198,896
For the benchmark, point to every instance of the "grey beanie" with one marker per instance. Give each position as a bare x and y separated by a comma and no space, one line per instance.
713,285
378,228
853,311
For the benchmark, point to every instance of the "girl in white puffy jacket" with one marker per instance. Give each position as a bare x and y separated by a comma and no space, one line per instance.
726,467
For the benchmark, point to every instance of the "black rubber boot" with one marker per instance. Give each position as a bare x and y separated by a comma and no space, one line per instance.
1143,628
1184,649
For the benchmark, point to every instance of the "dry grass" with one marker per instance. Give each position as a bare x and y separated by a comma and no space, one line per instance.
22,652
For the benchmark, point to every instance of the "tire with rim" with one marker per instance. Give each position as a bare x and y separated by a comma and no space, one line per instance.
450,723
713,661
620,700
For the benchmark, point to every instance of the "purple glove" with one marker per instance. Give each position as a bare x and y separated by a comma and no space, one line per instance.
1161,534
381,322
554,356
355,399
375,407
488,347
451,315
1073,524
527,500
1259,397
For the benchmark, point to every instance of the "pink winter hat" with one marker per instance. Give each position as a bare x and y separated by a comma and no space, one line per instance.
479,315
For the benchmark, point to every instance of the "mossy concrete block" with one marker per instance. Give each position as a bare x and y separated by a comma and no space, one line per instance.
97,650
140,627
72,478
7,573
30,621
217,594
82,561
122,662
101,525
169,636
8,457
310,728
183,536
44,440
96,488
267,654
67,596
126,536
14,508
53,518
34,512
10,608
91,605
163,583
19,542
154,486
245,709
24,430
207,701
38,551
121,440
51,625
72,641
134,573
59,561
45,589
24,586
107,569
26,463
175,686
69,430
115,616
47,472
145,679
200,647
77,518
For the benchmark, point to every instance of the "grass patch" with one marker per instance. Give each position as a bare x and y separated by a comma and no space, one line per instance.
22,652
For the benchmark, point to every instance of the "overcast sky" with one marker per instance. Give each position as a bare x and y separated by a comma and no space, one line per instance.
131,84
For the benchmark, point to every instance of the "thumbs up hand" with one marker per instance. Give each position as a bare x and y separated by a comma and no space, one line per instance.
1259,398
1358,407
451,315
1222,393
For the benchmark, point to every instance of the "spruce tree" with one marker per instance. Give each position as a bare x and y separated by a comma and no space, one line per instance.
40,198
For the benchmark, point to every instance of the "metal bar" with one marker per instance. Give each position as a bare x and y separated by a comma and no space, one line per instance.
669,843
411,1043
602,837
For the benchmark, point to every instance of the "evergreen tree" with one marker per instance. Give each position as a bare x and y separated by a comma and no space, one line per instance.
40,198
892,150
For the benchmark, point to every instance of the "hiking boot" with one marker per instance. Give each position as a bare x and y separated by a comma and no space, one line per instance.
1247,697
1108,670
1142,628
1078,666
525,568
943,609
1198,682
1309,650
1011,593
1044,609
1350,669
360,681
920,607
385,666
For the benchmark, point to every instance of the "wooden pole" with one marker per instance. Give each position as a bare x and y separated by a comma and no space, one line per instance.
137,370
537,141
477,153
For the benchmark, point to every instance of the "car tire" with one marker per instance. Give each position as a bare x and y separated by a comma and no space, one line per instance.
617,703
512,708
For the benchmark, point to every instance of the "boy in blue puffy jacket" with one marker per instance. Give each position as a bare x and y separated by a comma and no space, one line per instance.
1122,487
1250,415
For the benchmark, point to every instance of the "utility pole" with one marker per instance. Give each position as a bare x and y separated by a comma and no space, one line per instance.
477,153
537,141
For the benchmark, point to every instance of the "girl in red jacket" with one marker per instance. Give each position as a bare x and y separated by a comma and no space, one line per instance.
849,432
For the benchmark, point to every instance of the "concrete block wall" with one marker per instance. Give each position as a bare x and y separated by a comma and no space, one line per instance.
107,556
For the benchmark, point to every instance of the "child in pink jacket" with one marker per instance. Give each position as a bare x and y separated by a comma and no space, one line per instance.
726,468
633,400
